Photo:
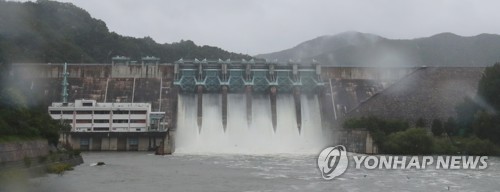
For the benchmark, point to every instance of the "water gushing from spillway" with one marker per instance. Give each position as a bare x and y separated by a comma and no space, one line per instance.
241,136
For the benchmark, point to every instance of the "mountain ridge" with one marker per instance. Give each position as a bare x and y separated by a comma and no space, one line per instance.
370,50
50,31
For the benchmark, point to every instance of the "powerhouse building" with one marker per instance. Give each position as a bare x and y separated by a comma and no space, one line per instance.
110,126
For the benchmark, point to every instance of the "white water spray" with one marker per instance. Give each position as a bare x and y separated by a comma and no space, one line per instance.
243,137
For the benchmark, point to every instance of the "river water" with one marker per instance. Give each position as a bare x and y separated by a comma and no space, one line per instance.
210,158
139,171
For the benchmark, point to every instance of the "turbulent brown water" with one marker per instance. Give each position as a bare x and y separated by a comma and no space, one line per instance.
182,172
247,157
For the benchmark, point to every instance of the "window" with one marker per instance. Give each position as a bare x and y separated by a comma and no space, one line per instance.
83,112
101,112
138,112
133,143
83,121
137,121
101,120
120,120
101,128
87,104
55,112
84,144
67,112
84,141
120,112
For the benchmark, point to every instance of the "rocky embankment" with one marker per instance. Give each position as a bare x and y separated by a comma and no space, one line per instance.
33,158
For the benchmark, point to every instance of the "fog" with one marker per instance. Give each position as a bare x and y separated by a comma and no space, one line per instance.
262,26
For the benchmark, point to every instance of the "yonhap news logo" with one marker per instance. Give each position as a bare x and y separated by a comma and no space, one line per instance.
333,162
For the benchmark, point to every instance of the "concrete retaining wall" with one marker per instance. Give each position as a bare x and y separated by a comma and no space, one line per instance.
358,141
17,151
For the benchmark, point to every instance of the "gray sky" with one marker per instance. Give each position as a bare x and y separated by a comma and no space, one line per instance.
262,26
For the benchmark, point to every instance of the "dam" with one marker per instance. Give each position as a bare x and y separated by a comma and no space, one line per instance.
249,106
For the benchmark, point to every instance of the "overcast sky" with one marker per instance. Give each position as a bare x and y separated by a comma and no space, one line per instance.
262,26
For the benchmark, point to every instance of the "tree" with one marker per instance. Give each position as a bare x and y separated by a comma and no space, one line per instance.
413,141
378,128
487,126
480,115
450,127
465,113
437,127
420,123
476,146
489,87
61,32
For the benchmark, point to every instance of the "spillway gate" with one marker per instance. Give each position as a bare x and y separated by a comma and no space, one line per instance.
247,77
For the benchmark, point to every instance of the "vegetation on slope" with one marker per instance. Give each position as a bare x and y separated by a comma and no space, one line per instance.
20,120
475,132
480,115
48,31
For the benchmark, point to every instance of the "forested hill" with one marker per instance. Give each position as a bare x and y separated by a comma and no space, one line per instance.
362,49
48,31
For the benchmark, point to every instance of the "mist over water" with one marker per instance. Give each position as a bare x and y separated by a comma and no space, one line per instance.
244,137
229,172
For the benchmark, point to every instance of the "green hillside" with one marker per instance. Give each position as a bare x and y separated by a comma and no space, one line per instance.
48,31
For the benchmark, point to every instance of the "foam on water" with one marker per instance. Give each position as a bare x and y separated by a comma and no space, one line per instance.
234,172
256,137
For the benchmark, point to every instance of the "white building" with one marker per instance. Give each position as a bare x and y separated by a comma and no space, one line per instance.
90,116
110,126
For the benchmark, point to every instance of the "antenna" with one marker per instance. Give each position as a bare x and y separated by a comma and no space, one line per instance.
64,92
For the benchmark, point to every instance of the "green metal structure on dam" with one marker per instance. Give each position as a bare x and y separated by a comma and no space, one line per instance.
212,76
248,77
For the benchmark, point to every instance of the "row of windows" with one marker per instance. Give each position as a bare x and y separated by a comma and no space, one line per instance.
104,129
101,112
120,120
131,121
84,112
87,104
138,112
137,121
107,121
84,121
98,112
101,128
101,120
133,144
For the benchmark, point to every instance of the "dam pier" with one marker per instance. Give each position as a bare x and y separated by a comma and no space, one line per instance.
248,78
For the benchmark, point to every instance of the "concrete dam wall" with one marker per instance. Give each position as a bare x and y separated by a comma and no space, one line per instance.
100,82
428,93
154,84
347,92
